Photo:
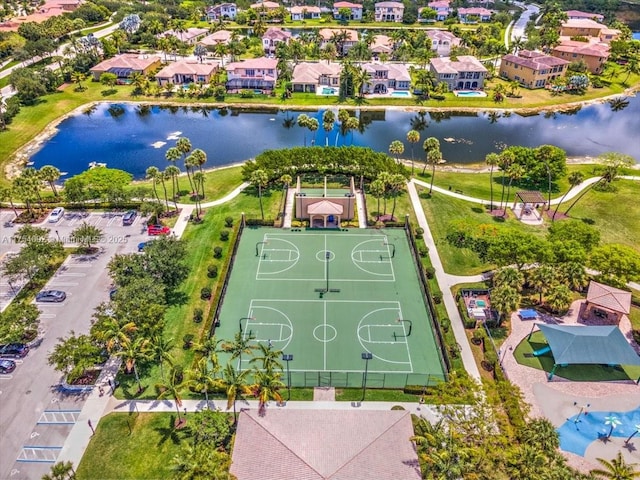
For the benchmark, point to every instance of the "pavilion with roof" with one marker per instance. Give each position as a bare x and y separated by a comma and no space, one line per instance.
325,207
526,205
606,303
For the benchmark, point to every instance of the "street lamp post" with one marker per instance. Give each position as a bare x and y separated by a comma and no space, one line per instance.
287,357
366,356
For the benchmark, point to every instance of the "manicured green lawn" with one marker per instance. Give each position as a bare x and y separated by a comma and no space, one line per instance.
133,446
576,373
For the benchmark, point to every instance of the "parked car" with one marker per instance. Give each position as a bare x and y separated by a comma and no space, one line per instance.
14,350
56,214
7,366
129,217
158,230
51,296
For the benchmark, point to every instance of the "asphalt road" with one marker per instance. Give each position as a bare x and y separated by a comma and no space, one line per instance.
33,413
531,11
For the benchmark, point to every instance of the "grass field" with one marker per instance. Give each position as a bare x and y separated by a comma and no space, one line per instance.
364,298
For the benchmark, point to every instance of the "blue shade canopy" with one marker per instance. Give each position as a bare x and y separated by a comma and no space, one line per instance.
575,344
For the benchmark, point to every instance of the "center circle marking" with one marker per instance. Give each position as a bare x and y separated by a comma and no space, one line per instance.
322,333
321,256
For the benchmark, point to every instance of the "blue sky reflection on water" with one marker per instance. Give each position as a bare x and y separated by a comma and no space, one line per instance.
134,142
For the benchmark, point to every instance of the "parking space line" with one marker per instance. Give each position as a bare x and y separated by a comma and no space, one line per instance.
6,377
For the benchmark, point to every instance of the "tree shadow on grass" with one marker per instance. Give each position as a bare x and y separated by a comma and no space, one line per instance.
177,298
477,209
171,433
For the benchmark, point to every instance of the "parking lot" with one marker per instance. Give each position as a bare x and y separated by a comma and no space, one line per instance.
36,415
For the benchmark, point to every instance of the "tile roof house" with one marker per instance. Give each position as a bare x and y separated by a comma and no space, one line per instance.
255,73
594,55
356,10
221,36
382,44
473,14
386,76
389,12
272,37
265,6
327,35
304,12
442,41
224,11
185,72
125,64
442,7
190,36
586,27
325,445
532,69
577,14
465,73
308,76
607,302
51,8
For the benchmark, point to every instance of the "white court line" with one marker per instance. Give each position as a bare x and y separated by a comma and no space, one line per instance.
406,340
61,275
324,344
55,283
346,280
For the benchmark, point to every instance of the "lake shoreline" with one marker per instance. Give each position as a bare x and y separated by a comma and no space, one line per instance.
24,153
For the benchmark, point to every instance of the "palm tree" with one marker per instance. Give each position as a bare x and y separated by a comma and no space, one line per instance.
542,433
313,126
172,388
241,344
266,387
559,298
413,137
268,357
172,172
161,351
303,121
616,469
152,174
542,279
377,188
505,300
200,158
632,67
260,179
515,172
6,194
200,378
575,179
396,148
506,159
184,147
434,157
328,121
61,471
574,275
235,384
509,277
397,183
492,159
107,330
50,174
134,350
210,349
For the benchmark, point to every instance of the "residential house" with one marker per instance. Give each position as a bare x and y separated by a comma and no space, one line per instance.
442,8
185,72
356,10
220,36
594,55
190,36
577,15
265,7
125,64
464,73
329,35
51,8
255,73
585,27
389,12
386,76
305,12
308,76
272,37
532,69
381,45
442,41
474,14
223,11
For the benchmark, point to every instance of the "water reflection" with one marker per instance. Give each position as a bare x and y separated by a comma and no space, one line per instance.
134,137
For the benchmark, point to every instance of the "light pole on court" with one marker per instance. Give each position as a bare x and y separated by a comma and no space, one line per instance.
366,356
287,357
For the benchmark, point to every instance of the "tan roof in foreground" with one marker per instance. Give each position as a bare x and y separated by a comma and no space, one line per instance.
325,445
325,207
609,297
127,60
187,68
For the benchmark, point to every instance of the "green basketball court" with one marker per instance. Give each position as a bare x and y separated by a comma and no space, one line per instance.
326,297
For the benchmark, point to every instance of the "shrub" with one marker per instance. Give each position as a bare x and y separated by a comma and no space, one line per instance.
478,336
187,341
429,272
212,271
198,314
437,297
419,232
490,359
205,293
228,222
224,235
217,252
423,251
445,324
246,94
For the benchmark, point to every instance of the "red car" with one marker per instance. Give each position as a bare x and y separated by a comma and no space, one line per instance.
158,230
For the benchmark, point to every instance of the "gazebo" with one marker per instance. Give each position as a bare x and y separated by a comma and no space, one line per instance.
607,303
526,204
577,344
329,212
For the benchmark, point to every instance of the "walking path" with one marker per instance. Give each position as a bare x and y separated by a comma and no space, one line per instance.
288,209
362,218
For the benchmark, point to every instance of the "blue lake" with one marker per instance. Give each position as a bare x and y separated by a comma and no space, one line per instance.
133,138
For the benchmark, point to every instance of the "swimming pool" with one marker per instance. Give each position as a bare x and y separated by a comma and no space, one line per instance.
481,303
469,93
581,430
328,91
400,94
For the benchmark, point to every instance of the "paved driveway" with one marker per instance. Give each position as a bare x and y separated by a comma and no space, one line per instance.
36,417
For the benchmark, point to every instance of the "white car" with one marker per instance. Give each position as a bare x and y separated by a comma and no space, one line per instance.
56,214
